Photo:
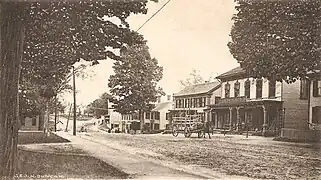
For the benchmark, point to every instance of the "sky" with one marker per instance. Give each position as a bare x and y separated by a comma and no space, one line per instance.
184,35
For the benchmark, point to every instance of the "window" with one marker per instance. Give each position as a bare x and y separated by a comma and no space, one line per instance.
304,89
200,102
147,115
316,114
204,102
247,88
197,102
152,115
192,103
167,116
186,103
272,88
169,97
176,104
156,126
236,89
259,84
316,88
157,115
34,121
227,90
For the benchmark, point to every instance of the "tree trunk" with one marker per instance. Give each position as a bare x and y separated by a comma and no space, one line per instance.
12,30
56,111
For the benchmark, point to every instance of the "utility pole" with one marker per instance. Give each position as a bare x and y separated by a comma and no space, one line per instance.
74,91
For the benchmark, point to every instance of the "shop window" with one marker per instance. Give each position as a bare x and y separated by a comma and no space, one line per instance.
247,88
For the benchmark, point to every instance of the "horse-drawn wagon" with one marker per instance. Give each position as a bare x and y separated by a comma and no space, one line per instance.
188,125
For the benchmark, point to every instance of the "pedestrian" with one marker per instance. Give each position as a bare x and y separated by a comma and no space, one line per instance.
207,129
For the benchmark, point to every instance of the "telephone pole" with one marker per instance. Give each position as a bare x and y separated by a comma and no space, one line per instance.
74,91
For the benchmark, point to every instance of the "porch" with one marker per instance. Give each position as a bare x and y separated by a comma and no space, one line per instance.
258,117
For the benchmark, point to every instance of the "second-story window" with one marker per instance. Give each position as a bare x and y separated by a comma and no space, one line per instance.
147,115
304,89
236,89
316,88
197,102
272,84
227,90
259,86
247,88
186,103
204,102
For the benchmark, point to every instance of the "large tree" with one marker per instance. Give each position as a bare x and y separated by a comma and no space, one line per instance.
100,105
52,35
278,39
134,84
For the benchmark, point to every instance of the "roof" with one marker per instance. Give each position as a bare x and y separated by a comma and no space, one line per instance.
236,71
162,105
199,88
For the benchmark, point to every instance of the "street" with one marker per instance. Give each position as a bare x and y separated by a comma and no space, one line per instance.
220,157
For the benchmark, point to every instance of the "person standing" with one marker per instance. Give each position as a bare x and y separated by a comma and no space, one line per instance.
207,129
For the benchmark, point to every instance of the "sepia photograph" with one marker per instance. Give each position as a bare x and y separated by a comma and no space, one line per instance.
160,89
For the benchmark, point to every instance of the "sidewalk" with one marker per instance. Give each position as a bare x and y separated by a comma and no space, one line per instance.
139,163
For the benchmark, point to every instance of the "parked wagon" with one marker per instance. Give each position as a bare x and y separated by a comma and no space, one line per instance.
188,125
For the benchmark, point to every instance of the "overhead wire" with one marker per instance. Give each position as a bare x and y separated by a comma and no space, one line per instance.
152,16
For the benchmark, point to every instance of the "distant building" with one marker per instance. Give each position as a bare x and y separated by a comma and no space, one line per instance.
32,123
156,119
194,99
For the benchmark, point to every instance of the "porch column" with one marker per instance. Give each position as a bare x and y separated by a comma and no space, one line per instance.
238,123
231,113
265,125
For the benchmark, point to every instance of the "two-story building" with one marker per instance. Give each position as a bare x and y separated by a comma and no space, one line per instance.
194,99
156,119
265,106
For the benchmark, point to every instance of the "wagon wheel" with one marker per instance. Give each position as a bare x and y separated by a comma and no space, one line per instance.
187,132
200,134
175,131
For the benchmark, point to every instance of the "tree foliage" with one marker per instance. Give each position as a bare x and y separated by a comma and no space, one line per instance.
99,106
277,39
134,83
46,38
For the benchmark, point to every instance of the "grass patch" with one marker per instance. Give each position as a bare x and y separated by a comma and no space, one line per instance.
31,164
39,137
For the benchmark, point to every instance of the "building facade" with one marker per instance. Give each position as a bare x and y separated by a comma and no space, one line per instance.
265,106
194,99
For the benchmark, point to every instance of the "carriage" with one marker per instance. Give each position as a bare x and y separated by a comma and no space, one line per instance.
188,125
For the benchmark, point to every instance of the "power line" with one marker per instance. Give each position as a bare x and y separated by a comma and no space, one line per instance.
153,15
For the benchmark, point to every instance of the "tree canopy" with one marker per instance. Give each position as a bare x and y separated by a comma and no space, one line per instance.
99,106
134,84
277,39
44,39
